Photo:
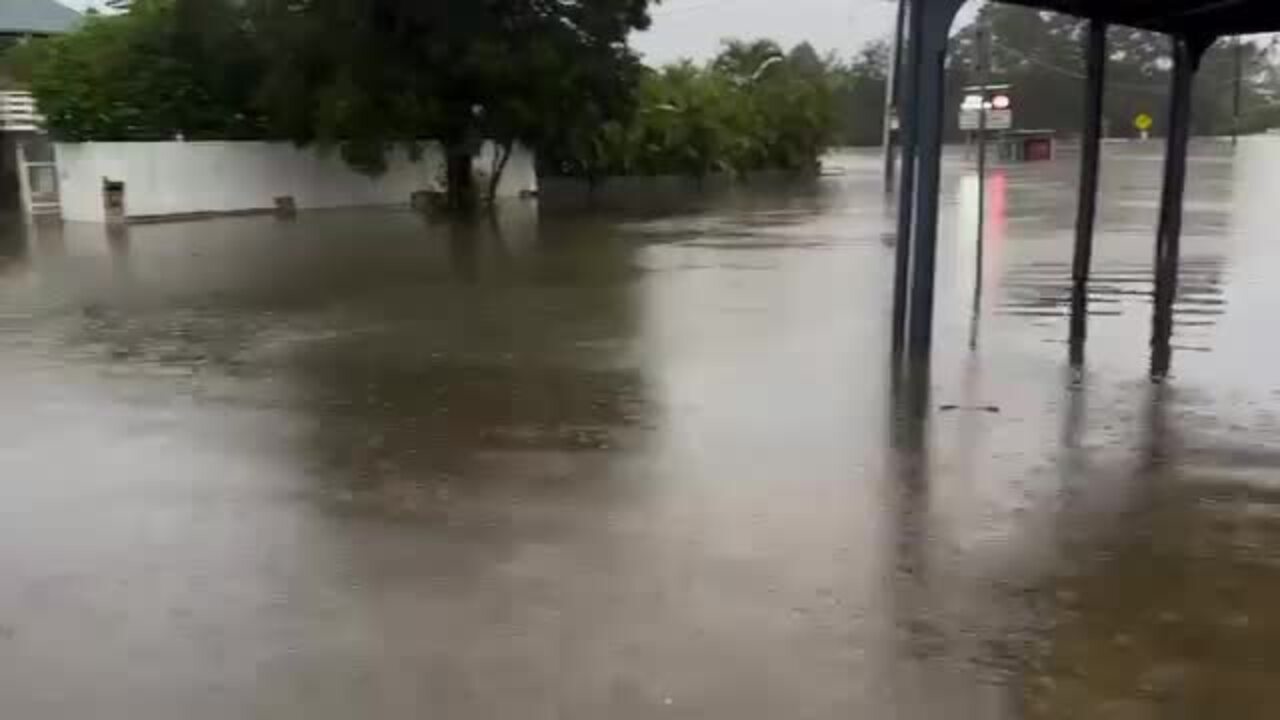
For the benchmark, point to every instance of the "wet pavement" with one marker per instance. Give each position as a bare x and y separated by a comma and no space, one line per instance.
641,463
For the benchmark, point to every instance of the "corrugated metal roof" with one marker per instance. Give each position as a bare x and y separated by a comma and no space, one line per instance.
36,17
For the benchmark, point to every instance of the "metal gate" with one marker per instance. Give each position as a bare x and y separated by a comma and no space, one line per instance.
38,183
34,158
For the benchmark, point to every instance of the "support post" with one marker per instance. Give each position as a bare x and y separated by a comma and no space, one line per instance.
930,93
1187,53
1086,209
1237,92
909,78
984,79
893,95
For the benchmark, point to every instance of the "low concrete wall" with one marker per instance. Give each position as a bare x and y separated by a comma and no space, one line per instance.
183,178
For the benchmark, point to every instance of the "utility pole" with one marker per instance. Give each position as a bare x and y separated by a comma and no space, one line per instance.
1237,100
892,92
984,80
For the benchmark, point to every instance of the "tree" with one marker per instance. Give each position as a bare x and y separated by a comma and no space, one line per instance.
1041,55
8,61
804,59
753,107
166,68
363,76
743,59
795,101
858,95
366,76
1038,53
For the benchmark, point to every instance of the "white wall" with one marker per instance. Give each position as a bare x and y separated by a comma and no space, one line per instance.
176,178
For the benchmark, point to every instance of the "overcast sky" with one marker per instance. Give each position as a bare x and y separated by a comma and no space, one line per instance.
694,28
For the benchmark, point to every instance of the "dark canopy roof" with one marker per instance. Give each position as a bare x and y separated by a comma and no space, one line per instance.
1205,18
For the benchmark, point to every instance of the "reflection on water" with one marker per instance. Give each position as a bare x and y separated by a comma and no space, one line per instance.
1043,290
642,460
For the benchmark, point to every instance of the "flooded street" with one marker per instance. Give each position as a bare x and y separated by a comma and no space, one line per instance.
641,463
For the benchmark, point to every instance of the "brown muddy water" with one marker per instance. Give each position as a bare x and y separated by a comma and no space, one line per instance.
643,462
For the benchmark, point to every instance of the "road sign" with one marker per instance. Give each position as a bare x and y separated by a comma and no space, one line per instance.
1143,122
999,111
970,120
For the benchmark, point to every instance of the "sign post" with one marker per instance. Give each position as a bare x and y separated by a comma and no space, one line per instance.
1143,122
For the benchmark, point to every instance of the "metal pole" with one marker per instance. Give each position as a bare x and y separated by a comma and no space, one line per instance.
1239,94
892,95
1086,209
1186,58
984,77
929,101
909,135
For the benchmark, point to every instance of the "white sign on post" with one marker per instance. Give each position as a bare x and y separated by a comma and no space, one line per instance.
998,108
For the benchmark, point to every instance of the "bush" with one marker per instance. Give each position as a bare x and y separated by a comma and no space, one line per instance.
152,73
752,108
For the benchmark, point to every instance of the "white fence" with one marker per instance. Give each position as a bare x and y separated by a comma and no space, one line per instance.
18,112
183,178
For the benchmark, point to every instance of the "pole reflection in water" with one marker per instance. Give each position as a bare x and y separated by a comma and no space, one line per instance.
979,260
119,245
908,414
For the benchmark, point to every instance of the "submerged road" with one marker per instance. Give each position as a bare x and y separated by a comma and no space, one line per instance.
642,462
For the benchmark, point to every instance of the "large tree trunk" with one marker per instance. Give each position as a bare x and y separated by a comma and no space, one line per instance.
501,156
460,180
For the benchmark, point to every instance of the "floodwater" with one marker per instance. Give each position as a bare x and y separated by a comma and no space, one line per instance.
643,462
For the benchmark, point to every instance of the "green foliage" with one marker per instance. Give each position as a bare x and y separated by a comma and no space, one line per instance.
752,108
9,62
1041,55
859,88
166,68
367,75
362,76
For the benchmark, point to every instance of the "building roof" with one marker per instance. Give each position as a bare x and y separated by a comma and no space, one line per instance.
1205,18
36,17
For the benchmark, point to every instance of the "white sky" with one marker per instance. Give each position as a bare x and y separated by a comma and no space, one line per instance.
694,28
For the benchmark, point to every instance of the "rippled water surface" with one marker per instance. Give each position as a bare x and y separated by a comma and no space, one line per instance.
644,462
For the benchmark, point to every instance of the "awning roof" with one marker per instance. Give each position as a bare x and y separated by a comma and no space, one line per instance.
36,17
1205,18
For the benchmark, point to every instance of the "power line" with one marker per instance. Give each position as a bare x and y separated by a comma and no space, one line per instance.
1066,72
1070,73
